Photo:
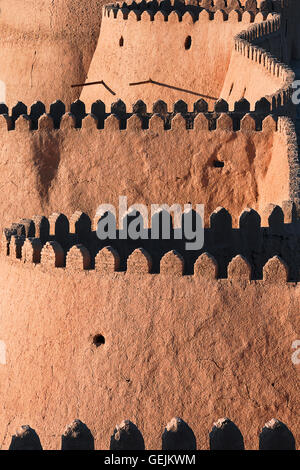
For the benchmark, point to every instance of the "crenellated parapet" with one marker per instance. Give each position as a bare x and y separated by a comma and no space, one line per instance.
248,44
286,128
181,13
265,246
148,299
195,37
195,7
231,150
177,435
118,117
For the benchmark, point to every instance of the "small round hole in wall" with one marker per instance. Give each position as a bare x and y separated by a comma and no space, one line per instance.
121,42
188,43
98,340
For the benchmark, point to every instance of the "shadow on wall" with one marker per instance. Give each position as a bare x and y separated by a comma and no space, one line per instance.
78,245
177,435
46,157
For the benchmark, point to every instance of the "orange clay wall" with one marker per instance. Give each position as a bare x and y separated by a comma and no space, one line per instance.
255,69
248,79
83,167
45,46
187,346
48,46
199,71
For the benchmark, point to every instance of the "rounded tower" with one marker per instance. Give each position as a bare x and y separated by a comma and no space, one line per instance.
167,51
45,45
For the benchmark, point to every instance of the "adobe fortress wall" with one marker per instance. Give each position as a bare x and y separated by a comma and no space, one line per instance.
75,242
255,65
188,53
192,346
199,159
104,334
135,46
45,46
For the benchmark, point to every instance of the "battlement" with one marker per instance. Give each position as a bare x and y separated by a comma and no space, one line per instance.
193,31
150,307
241,117
248,42
238,153
195,8
266,247
186,14
177,435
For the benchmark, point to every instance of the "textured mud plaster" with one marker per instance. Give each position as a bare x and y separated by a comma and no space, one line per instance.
82,167
45,46
195,358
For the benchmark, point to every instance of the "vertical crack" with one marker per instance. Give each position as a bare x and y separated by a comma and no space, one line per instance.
33,62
